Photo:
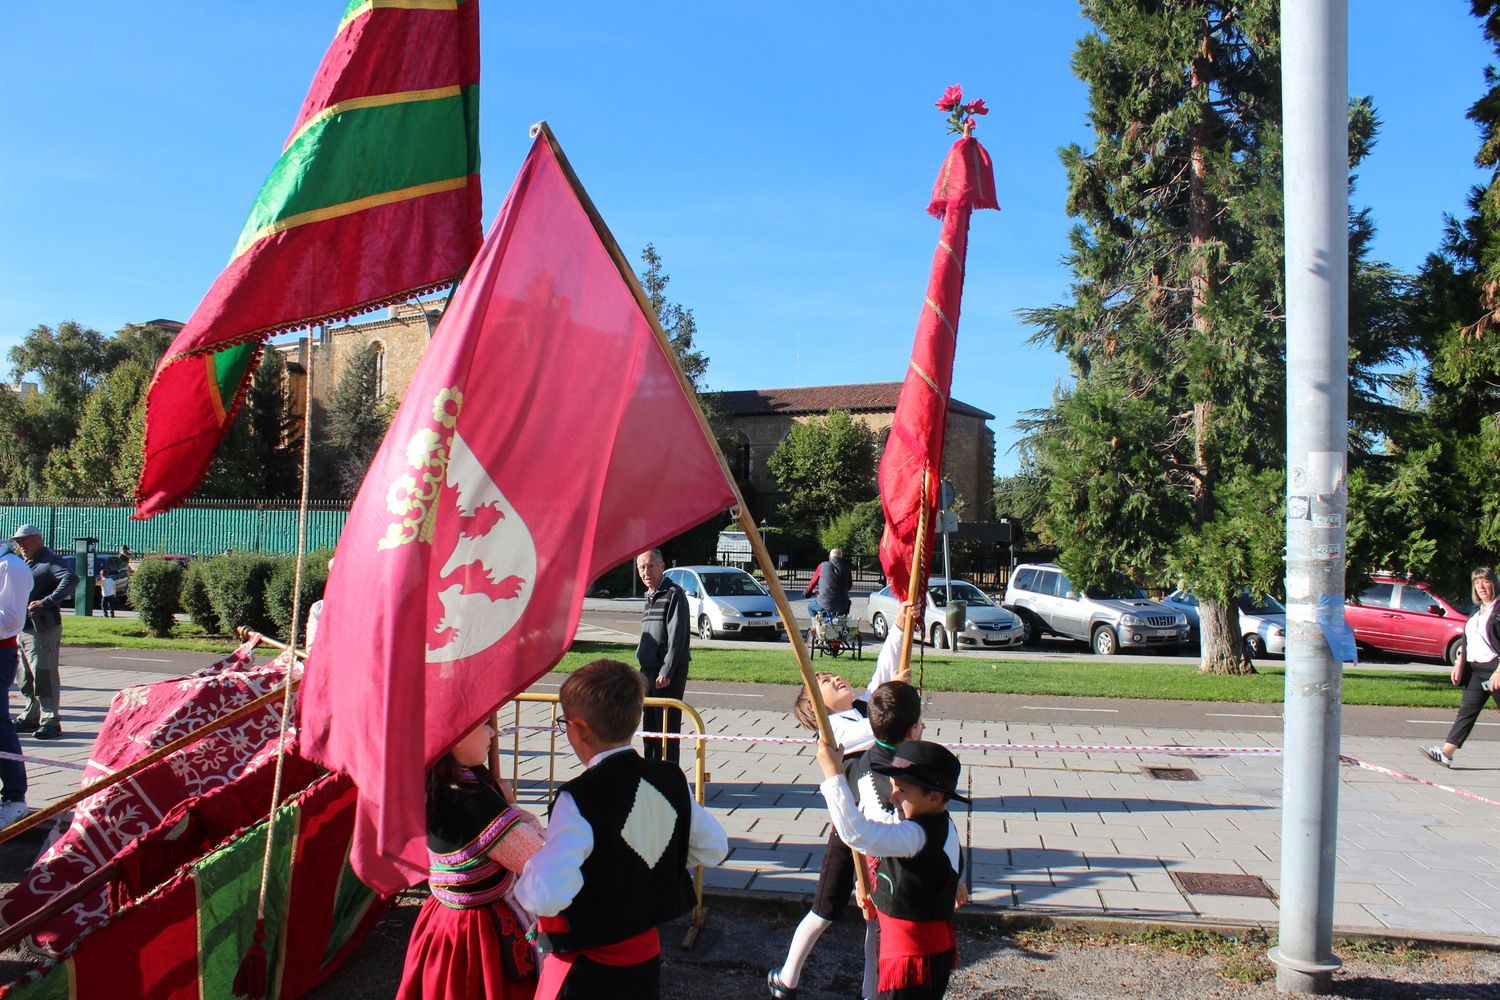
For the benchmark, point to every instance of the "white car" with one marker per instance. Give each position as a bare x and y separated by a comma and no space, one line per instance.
1262,621
986,624
724,601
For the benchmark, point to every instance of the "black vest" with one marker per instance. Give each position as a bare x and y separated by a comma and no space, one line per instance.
924,886
621,895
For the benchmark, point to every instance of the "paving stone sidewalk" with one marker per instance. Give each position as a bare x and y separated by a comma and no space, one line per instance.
1069,833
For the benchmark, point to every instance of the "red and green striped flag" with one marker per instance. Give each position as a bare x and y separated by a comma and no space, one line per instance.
375,199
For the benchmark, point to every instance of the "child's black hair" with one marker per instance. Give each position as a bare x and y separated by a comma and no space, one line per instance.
895,707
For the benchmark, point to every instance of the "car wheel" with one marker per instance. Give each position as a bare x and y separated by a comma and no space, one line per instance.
1454,651
939,637
1031,630
877,623
705,627
1255,647
1106,643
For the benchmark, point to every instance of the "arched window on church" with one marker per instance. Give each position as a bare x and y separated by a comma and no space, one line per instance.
736,447
379,369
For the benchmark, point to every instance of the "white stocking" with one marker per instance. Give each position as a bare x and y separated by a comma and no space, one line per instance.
808,931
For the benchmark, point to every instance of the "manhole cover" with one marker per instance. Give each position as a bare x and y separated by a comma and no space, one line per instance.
1172,773
1216,884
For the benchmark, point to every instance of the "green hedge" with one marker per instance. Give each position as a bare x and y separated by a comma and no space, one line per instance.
195,600
155,589
236,584
279,591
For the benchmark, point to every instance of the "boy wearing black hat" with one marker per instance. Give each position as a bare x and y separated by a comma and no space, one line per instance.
916,885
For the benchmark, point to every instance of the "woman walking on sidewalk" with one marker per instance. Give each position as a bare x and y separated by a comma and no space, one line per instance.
1475,668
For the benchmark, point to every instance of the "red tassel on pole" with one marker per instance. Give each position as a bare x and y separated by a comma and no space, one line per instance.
250,981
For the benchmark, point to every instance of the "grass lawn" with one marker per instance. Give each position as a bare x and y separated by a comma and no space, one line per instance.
1181,682
773,664
129,633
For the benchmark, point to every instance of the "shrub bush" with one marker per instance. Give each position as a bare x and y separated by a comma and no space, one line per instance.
195,600
237,589
279,591
154,589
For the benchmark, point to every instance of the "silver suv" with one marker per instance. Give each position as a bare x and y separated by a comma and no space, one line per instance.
1108,621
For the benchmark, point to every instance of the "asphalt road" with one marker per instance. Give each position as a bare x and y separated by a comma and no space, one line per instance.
1425,724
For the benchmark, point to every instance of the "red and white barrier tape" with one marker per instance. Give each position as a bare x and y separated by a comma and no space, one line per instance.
1179,751
1390,772
27,759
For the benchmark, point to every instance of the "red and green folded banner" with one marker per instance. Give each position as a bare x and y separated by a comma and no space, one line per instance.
186,938
375,199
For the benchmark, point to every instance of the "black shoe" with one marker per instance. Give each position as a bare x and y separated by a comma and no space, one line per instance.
25,725
50,731
779,990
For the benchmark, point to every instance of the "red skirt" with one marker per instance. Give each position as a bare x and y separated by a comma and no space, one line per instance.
463,954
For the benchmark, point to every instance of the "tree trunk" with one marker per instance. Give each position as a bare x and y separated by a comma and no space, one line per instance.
1223,648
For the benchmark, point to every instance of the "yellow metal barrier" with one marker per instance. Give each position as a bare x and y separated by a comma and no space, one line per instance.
700,777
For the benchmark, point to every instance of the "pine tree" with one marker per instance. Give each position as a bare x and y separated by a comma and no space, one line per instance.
1174,325
357,421
1166,459
678,322
1445,480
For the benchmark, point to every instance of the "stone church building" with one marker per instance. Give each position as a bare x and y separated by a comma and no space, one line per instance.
752,422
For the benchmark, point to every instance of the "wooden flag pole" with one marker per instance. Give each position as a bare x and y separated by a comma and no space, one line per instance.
916,589
757,545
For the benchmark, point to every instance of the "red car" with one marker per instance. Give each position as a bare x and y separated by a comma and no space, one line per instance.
1405,616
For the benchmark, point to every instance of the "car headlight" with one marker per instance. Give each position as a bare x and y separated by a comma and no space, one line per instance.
1182,619
729,613
1132,620
969,625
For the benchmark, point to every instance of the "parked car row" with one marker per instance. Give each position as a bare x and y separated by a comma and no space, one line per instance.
1392,615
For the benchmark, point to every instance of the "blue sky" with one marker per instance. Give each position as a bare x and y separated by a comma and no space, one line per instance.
779,155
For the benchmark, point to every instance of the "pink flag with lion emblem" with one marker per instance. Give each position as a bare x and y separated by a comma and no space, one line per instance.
544,439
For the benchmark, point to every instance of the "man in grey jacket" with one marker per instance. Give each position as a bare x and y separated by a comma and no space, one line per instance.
662,653
40,641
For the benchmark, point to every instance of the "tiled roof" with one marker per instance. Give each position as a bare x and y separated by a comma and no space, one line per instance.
865,398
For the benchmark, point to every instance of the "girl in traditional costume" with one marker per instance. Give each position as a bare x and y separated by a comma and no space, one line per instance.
470,937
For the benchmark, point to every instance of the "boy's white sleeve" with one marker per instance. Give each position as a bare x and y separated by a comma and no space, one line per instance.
879,840
708,844
553,875
889,659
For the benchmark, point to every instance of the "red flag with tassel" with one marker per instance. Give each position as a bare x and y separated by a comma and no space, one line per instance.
912,463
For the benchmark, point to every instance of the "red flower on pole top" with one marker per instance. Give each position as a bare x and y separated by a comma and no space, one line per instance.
960,115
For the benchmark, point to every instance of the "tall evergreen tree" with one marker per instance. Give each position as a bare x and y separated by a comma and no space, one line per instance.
1445,480
1174,325
678,322
357,420
1166,459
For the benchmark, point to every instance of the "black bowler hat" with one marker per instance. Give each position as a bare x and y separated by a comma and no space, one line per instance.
926,765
